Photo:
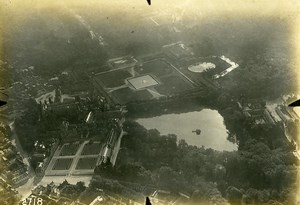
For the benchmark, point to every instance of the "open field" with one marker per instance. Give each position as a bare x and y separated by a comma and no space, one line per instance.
69,149
157,67
126,95
172,85
113,79
81,163
149,79
91,149
62,164
87,163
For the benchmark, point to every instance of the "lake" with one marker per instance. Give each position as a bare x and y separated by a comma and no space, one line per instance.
210,122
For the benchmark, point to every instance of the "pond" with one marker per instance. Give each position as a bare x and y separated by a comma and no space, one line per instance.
210,122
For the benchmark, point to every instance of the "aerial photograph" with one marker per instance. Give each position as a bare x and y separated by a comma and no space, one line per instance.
176,102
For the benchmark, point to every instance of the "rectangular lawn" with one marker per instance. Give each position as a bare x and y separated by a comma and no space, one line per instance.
69,149
91,148
172,85
157,67
86,163
62,164
113,79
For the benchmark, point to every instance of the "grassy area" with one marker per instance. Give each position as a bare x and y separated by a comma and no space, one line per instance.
86,163
62,164
157,67
172,85
91,149
113,79
126,95
69,149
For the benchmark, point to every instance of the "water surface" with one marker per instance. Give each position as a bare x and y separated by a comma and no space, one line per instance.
210,122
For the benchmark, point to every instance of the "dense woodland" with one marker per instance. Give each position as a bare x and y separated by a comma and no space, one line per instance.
256,173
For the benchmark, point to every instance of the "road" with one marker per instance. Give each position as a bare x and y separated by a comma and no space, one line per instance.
24,190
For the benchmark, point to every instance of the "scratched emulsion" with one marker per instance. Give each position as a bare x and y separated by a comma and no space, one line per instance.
114,43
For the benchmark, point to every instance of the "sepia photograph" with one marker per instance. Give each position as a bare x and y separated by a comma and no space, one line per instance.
140,102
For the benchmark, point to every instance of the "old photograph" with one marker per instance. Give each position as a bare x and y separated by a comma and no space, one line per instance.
176,102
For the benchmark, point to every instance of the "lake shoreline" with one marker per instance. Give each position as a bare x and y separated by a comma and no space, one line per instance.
213,131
